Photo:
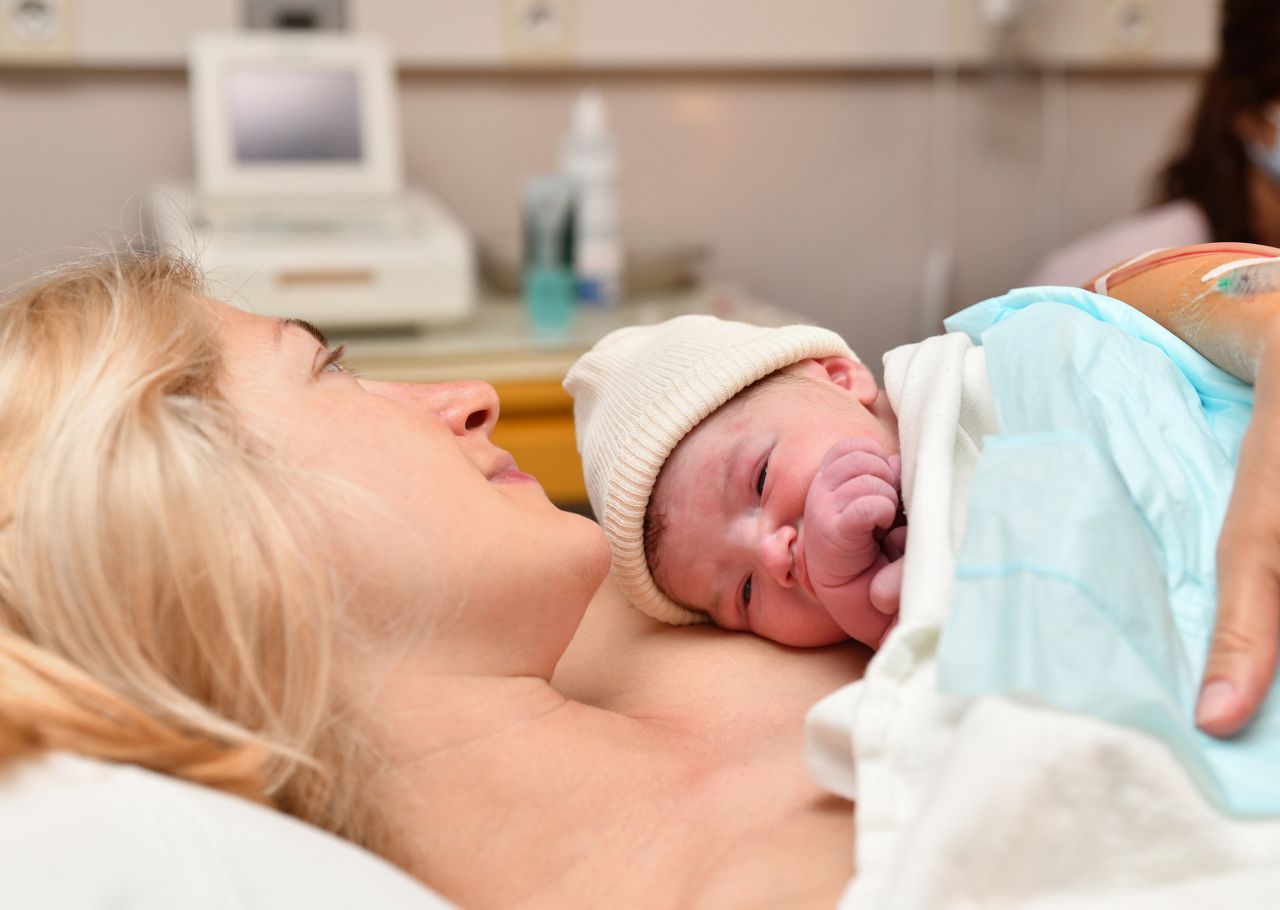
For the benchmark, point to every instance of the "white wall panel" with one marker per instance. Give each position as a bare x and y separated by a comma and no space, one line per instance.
679,34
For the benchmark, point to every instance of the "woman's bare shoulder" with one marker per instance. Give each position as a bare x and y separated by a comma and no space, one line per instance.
624,661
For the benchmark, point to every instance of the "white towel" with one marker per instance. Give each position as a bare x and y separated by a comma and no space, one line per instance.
989,802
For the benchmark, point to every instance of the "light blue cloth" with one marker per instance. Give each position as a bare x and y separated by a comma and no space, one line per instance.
1086,579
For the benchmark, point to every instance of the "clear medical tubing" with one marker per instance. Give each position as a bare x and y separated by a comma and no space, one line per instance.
1249,278
1149,261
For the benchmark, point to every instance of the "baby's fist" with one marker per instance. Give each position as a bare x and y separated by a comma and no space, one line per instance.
852,501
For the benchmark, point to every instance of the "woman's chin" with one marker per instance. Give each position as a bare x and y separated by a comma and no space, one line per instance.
597,555
583,551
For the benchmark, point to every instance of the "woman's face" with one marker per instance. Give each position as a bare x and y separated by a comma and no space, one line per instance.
441,546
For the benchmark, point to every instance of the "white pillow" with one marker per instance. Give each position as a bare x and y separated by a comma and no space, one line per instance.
77,833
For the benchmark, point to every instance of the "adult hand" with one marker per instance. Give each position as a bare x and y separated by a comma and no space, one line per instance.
1242,655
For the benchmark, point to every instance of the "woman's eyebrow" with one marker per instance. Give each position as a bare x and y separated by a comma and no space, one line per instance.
282,324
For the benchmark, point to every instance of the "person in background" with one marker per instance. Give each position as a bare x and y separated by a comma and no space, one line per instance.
1224,183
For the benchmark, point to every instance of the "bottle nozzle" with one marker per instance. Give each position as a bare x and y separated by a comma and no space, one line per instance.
588,114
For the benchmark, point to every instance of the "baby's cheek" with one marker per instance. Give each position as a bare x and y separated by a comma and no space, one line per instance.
801,625
871,627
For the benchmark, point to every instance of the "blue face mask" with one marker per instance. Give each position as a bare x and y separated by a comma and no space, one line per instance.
1267,157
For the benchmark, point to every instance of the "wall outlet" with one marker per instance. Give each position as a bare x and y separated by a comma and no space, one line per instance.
35,31
1130,28
540,30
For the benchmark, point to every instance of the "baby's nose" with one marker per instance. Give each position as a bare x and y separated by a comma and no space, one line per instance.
777,555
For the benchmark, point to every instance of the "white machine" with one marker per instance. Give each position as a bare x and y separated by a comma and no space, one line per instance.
299,207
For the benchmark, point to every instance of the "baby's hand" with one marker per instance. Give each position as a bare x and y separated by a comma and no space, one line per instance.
851,503
852,557
886,584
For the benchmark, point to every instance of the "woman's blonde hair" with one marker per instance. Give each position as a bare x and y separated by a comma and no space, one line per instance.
156,603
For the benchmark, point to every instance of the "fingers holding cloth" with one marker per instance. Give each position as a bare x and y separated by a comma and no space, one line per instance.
1246,636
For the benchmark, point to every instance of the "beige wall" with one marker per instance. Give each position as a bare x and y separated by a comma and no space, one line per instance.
813,188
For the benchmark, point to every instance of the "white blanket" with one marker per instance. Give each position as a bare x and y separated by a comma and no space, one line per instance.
988,802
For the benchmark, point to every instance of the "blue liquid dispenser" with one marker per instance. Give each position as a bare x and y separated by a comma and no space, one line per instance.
548,280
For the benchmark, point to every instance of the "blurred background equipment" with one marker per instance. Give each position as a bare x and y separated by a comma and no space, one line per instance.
549,240
299,205
589,158
327,15
867,165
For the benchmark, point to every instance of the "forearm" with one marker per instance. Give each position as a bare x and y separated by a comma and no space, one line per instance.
1241,335
1236,333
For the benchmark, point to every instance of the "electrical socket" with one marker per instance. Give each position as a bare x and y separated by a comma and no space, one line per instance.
540,30
1130,28
35,31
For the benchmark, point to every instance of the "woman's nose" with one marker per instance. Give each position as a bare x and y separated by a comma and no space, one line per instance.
467,408
776,554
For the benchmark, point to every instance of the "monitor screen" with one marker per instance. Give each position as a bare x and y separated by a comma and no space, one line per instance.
294,115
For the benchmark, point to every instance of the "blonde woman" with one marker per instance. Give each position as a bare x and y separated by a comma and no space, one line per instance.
227,560
157,609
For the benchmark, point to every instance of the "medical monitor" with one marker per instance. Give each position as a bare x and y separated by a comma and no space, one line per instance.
294,115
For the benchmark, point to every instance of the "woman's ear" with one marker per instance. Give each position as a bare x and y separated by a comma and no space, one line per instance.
849,375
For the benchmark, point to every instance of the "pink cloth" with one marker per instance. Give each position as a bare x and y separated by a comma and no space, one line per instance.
1179,223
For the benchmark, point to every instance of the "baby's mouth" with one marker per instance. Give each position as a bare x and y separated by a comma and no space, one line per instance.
799,569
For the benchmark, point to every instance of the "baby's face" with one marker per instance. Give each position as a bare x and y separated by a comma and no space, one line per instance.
731,500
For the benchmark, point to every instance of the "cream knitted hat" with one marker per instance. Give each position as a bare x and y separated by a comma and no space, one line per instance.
639,391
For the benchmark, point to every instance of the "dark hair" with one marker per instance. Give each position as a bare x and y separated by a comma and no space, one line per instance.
1212,167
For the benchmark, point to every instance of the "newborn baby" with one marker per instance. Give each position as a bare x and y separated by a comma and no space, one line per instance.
746,475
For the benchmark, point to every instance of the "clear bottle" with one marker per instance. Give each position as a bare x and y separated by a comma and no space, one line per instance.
590,159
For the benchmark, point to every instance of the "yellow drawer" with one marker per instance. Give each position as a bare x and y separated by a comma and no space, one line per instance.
535,425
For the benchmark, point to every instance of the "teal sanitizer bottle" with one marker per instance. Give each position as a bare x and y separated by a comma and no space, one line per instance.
548,280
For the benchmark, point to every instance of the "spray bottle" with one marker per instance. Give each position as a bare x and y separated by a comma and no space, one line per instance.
590,159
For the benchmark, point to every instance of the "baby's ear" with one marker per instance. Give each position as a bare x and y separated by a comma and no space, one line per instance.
849,375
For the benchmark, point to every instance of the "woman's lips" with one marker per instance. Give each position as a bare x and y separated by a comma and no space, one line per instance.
506,471
513,477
